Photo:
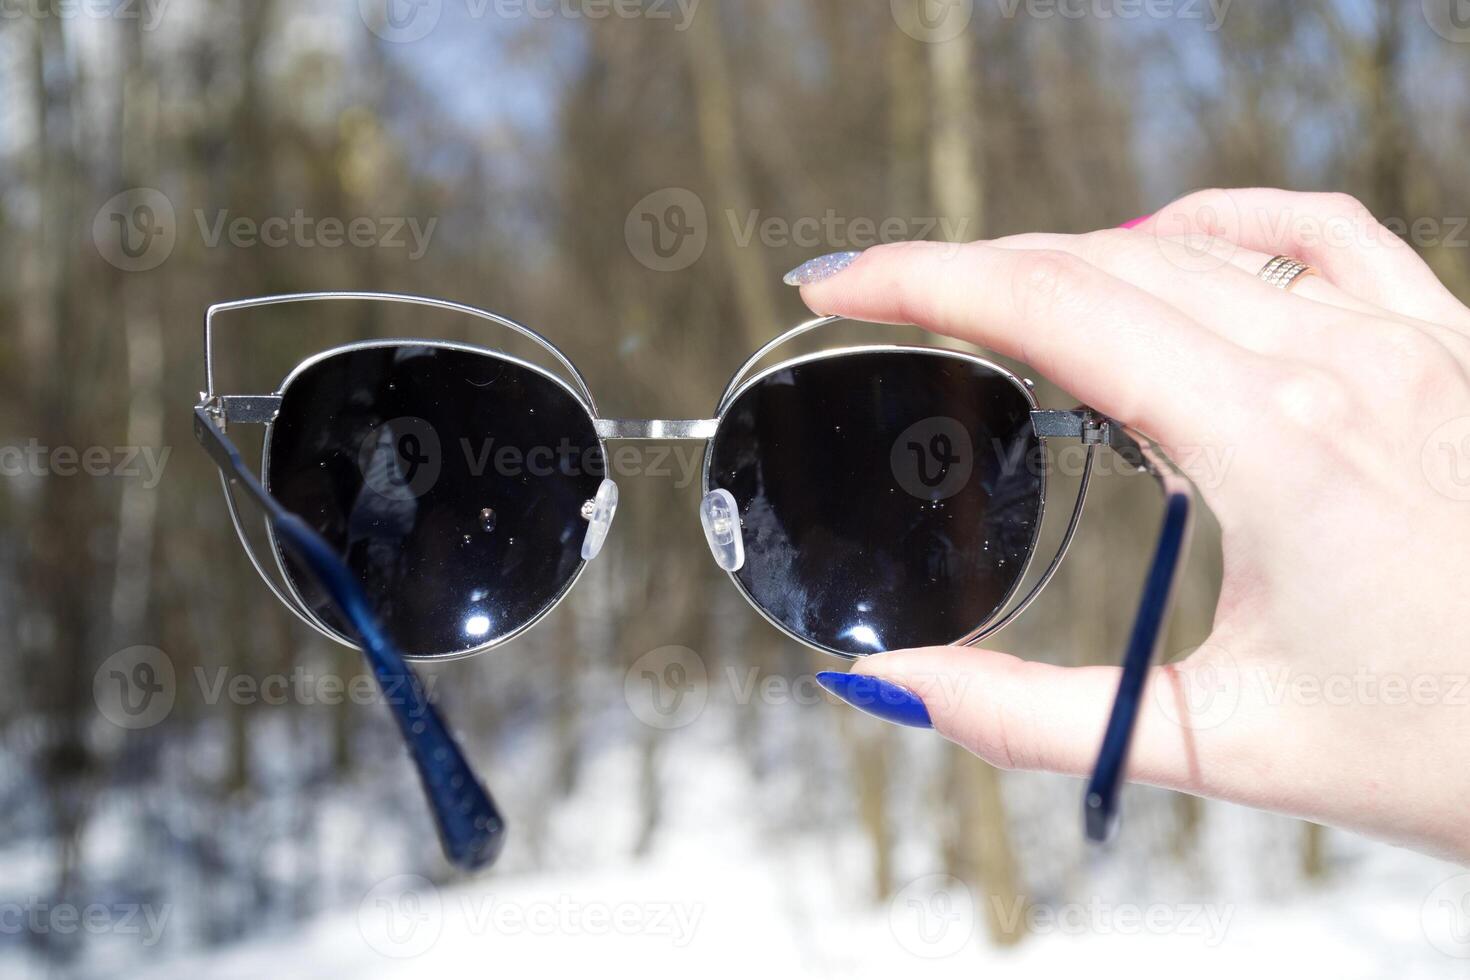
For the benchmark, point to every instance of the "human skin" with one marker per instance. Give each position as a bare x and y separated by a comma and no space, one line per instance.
1339,655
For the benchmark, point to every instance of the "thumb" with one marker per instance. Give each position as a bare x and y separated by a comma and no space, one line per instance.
1019,714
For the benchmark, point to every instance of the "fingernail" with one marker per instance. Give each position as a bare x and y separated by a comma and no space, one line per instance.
822,267
879,698
1135,222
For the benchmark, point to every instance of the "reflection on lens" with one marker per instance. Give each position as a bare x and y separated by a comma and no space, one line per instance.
888,499
450,481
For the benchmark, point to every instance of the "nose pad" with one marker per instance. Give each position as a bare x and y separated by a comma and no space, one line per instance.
598,513
720,516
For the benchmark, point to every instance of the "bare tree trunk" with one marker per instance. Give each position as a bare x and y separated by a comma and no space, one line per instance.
138,511
1314,857
954,166
59,575
720,145
869,748
983,848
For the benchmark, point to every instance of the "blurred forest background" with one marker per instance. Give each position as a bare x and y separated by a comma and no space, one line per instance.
531,153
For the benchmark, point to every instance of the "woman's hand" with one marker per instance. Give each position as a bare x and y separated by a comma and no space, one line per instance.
1339,662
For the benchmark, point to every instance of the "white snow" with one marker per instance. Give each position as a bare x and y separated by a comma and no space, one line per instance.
721,895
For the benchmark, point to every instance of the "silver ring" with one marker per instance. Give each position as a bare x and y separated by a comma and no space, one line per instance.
1283,271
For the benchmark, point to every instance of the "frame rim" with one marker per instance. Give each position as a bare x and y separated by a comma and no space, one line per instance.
738,387
293,599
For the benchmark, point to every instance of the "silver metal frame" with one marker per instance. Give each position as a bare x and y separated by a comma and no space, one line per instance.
300,606
738,387
262,409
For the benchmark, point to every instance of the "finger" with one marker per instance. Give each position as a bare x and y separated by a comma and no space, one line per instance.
1211,280
1115,346
1333,232
1019,714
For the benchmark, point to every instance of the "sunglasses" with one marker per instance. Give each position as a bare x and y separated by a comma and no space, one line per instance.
428,500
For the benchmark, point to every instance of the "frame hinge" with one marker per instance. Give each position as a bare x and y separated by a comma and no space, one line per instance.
247,408
1080,423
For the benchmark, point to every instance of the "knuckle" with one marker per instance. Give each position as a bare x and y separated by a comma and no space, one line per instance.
1203,213
998,728
1310,399
1203,197
1405,355
1343,204
1043,281
1346,222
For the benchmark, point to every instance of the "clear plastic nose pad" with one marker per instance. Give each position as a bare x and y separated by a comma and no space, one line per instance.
720,516
598,513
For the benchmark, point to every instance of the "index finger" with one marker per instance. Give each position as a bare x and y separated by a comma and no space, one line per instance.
1114,346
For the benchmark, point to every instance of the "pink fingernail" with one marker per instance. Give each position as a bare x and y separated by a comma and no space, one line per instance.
1135,222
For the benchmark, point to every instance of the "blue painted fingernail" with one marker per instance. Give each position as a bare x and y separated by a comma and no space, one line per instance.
880,698
822,267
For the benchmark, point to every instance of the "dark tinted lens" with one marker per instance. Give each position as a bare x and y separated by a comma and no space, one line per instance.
450,481
888,499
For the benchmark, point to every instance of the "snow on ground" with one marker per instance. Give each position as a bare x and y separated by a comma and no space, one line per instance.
716,899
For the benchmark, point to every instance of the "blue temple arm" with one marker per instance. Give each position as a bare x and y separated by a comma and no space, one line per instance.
471,829
1101,802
